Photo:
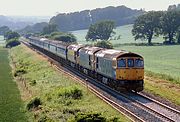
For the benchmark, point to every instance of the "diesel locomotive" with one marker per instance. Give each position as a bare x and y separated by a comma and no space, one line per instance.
119,69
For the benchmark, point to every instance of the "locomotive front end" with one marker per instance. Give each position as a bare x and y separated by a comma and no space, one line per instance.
130,71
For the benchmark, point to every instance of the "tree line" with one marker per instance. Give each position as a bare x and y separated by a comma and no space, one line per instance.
155,23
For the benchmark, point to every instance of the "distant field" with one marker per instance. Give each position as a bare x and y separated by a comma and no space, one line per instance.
1,40
11,105
124,31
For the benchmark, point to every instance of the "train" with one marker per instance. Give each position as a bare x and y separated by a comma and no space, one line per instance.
119,69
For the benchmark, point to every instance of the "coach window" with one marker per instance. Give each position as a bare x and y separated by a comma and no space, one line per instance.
130,62
122,63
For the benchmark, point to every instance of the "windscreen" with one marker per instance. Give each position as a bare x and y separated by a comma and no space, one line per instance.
139,63
122,63
130,62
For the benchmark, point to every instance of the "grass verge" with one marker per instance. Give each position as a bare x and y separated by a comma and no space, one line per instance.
163,88
53,96
11,106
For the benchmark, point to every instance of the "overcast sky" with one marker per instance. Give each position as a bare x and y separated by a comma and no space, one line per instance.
52,7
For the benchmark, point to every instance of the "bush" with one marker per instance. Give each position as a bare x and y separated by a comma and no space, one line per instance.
104,44
89,117
12,43
34,103
65,37
169,43
74,93
19,72
33,82
44,118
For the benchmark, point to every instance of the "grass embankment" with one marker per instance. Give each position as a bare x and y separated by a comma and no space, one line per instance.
53,96
11,106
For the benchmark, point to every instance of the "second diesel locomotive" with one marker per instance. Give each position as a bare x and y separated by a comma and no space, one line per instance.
119,69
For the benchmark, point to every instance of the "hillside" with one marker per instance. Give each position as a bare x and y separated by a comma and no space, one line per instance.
20,22
81,20
36,28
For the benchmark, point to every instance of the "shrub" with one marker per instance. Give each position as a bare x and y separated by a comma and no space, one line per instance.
71,111
104,44
65,37
44,118
88,117
12,43
32,82
19,72
72,92
34,103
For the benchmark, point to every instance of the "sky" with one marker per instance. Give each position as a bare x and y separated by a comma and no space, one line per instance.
52,7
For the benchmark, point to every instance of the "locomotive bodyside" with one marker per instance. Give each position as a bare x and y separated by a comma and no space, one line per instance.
73,53
87,57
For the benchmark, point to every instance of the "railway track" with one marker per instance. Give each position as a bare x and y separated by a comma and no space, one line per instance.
138,107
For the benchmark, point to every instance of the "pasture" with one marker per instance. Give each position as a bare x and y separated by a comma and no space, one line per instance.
123,31
159,59
11,106
2,40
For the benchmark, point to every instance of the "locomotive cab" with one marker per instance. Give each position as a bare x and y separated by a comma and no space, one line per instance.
130,71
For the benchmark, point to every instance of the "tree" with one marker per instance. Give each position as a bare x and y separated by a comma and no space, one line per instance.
11,35
12,43
100,30
4,29
146,26
49,29
178,36
65,37
170,25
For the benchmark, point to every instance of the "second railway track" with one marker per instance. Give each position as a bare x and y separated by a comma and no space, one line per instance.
136,106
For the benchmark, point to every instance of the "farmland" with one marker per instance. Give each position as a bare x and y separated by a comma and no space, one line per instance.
11,106
1,40
159,59
123,31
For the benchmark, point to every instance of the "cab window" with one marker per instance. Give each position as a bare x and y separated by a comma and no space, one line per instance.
122,63
139,63
130,62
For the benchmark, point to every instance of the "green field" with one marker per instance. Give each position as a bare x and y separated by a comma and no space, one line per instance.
158,59
2,40
11,106
123,31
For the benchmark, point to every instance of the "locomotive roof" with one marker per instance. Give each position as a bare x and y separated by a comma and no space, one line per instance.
114,54
90,50
75,47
